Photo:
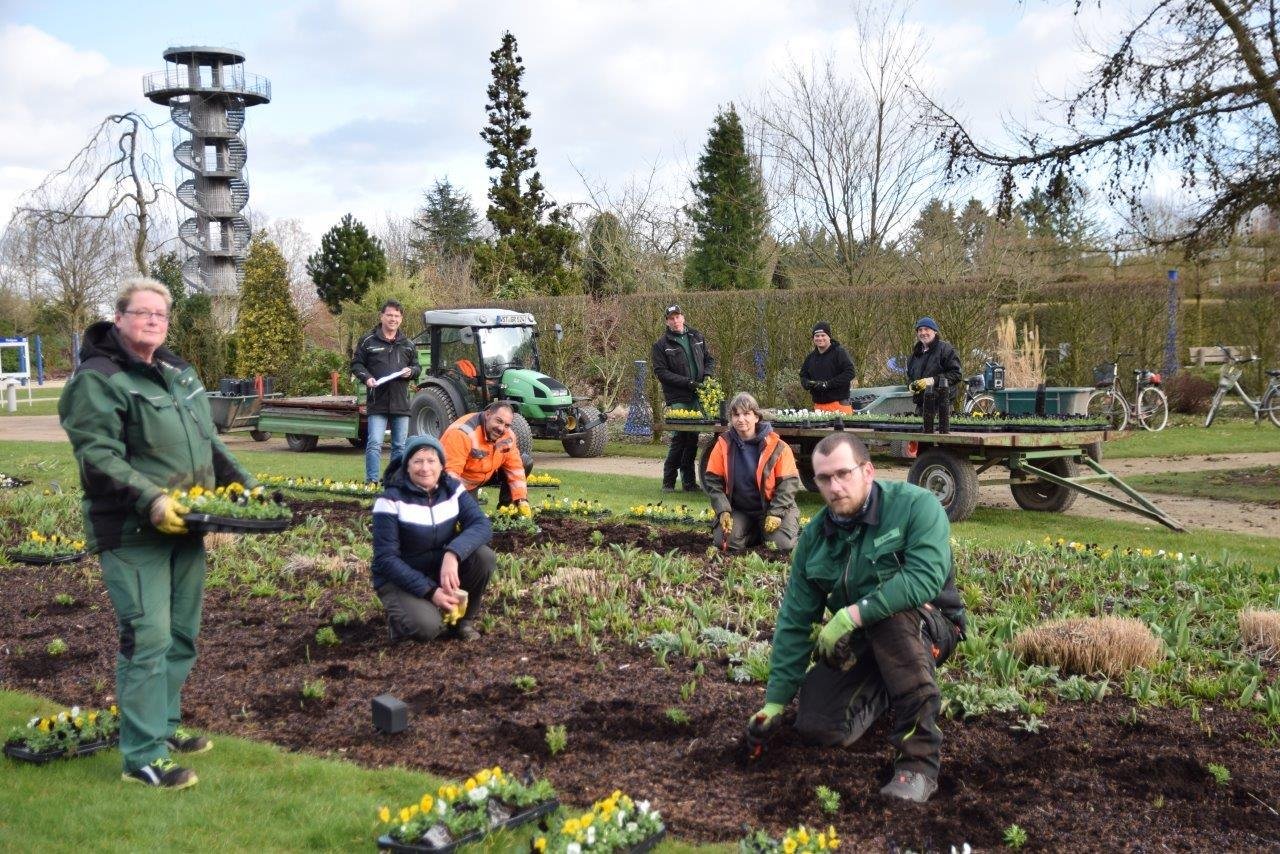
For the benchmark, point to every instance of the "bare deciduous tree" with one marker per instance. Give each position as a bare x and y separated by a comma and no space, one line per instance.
114,179
847,157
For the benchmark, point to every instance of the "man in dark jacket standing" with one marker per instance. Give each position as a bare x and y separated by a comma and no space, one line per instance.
931,359
878,557
827,372
386,361
681,361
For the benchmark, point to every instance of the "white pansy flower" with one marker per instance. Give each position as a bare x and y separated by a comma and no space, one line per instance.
478,794
573,848
75,711
591,835
643,806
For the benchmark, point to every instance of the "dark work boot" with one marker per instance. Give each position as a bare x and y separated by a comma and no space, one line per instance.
910,786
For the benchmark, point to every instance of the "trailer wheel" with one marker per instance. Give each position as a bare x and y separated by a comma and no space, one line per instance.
260,435
431,412
951,478
1044,496
592,444
298,442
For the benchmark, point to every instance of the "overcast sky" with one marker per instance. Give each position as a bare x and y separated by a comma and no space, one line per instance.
373,100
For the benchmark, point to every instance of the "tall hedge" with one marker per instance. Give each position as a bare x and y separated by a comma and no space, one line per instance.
268,329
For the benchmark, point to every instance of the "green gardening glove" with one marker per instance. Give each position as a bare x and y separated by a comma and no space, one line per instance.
761,726
840,625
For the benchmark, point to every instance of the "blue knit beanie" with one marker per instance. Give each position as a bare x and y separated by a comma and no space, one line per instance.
928,323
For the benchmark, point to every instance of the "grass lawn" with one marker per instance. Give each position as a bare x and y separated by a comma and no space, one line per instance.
1260,485
251,797
1186,435
44,401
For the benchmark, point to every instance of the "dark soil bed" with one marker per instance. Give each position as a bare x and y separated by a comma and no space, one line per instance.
1094,778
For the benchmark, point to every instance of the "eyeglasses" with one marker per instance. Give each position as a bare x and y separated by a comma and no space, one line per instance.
143,314
840,475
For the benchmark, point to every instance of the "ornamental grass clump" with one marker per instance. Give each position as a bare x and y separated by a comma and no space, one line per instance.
1112,646
616,823
1260,632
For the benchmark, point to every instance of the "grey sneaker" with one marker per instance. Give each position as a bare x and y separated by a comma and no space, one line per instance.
162,774
184,740
910,786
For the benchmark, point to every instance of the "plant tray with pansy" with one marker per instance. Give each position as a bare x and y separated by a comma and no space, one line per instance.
233,509
580,507
797,840
456,815
43,549
8,481
680,514
68,734
613,824
325,485
509,519
542,481
679,415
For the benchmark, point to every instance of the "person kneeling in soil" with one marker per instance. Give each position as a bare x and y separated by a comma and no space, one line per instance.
481,450
430,546
752,481
879,557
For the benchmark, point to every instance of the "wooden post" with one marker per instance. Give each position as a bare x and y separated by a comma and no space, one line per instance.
333,382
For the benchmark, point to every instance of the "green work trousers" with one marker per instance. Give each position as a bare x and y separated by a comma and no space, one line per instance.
156,591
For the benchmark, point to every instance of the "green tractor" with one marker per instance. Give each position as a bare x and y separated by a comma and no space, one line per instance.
471,357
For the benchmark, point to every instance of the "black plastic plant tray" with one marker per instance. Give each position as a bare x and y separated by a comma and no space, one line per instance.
204,523
904,427
529,814
20,753
543,485
44,560
387,843
977,428
647,844
8,481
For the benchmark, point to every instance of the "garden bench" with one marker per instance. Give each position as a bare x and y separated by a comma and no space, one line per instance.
1201,356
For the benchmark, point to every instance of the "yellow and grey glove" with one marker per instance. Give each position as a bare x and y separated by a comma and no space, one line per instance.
771,524
922,384
726,522
523,508
166,515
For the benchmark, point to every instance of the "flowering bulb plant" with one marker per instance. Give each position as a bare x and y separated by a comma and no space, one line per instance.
1100,552
710,396
681,514
66,730
587,509
508,518
612,824
38,544
797,840
327,485
678,413
543,480
232,500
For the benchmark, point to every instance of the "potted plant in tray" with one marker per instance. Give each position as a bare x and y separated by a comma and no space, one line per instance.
68,733
43,549
233,509
614,824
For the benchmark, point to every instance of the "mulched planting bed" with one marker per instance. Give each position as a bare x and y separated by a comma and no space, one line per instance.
1095,778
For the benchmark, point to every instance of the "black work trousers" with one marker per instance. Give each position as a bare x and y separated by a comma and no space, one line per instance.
681,458
892,668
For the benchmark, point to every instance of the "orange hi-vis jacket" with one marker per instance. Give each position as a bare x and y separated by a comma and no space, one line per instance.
777,466
473,459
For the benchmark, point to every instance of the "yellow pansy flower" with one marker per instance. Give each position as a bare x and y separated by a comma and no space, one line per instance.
384,814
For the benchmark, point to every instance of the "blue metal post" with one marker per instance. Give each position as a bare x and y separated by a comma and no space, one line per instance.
638,421
75,350
39,361
1170,366
23,367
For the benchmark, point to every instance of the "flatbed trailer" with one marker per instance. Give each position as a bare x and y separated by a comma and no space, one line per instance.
303,420
1043,469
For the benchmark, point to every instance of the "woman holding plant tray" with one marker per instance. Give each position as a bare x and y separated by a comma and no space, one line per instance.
752,481
431,558
141,430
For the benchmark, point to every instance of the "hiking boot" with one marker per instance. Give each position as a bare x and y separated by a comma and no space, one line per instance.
464,631
162,774
184,740
910,786
668,487
692,487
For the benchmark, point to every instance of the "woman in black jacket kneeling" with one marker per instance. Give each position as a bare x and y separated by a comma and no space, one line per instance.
430,546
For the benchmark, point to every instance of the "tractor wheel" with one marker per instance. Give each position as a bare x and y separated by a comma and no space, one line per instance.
524,440
298,442
431,413
260,435
951,478
592,444
1044,496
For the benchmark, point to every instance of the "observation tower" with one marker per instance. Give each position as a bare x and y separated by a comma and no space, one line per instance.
207,91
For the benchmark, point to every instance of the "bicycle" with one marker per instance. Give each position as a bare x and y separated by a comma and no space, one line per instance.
976,396
1229,378
1150,407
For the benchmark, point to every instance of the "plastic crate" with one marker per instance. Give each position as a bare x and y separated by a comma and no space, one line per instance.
883,400
1058,400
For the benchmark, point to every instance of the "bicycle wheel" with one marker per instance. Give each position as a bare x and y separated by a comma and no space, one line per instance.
984,403
1153,409
1110,407
1213,406
1270,405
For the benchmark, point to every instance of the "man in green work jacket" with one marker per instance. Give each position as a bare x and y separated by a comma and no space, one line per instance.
879,557
141,429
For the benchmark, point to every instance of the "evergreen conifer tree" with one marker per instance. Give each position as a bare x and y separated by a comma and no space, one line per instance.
350,259
168,270
268,330
445,228
728,213
533,244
